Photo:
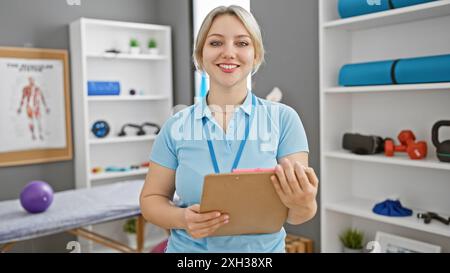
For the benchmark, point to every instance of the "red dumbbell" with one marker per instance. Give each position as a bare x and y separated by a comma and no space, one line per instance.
415,150
403,137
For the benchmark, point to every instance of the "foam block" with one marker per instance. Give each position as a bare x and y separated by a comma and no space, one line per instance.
102,88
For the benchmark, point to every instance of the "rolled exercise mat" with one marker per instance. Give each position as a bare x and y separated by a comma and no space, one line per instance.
350,8
405,3
371,73
423,69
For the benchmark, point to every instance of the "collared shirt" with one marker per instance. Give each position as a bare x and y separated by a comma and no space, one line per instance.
275,131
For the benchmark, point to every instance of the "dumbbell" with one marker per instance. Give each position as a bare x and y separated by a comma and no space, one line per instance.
404,137
415,150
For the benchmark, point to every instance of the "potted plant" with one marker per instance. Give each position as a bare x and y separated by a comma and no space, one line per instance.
130,230
152,46
134,46
352,241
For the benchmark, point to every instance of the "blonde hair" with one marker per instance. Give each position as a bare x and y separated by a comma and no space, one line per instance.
247,20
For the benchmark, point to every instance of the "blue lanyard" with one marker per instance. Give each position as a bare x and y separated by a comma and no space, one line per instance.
241,146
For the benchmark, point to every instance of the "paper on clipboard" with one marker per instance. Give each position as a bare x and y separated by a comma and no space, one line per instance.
250,200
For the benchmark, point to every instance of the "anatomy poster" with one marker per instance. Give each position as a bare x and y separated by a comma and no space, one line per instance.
32,109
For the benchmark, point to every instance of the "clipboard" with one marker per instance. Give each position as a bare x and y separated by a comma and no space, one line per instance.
250,200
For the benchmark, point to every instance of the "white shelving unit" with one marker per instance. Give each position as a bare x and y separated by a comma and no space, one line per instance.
125,56
150,75
352,184
128,98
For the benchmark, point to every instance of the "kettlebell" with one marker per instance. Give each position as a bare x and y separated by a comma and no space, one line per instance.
442,148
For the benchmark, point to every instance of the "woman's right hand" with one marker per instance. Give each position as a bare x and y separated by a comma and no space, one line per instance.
200,225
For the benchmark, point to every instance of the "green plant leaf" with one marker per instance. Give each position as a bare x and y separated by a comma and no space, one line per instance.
134,43
130,226
352,238
152,43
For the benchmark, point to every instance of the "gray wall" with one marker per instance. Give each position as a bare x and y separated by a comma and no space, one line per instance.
177,13
44,24
290,34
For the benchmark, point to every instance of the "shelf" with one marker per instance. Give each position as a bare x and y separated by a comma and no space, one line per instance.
127,98
400,159
121,139
392,17
389,88
414,31
120,24
363,208
125,56
108,175
150,75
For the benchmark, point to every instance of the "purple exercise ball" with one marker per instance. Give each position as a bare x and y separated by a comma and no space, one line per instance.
36,196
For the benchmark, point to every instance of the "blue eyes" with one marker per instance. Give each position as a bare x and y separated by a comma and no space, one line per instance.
242,44
214,43
218,43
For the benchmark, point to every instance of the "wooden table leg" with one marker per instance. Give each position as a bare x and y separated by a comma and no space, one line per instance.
140,230
101,240
6,247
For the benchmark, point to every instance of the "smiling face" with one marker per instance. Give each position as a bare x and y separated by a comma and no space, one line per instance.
228,52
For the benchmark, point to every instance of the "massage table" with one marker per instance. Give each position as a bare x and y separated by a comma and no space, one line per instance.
72,211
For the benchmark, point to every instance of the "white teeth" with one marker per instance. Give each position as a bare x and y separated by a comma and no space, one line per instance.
228,66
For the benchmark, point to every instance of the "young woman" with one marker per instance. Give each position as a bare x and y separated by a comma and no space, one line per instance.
230,128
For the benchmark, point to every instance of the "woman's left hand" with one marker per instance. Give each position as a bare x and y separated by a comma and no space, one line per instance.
296,185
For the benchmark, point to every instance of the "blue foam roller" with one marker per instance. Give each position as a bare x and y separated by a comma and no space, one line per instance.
350,8
423,70
405,3
99,88
371,73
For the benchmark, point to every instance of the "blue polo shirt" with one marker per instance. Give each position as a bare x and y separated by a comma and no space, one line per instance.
275,131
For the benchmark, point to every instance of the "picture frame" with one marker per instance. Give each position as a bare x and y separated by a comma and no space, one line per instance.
390,243
35,111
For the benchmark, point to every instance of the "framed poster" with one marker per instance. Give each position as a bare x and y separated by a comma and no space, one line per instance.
35,117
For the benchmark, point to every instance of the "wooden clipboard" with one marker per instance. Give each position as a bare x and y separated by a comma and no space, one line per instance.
249,199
